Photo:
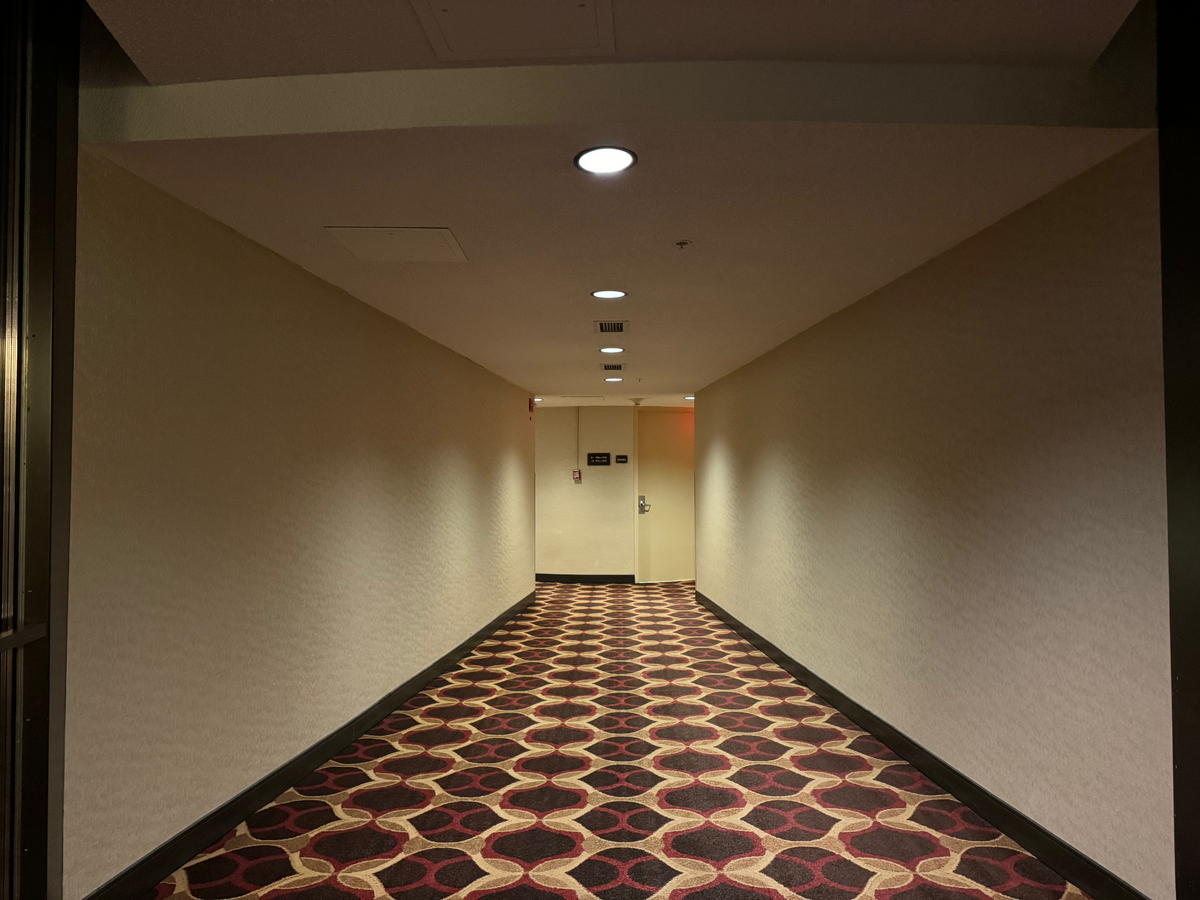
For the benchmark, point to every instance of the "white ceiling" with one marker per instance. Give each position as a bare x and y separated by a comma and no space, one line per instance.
175,41
788,222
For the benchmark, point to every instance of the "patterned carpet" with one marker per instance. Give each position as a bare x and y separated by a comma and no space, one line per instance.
619,743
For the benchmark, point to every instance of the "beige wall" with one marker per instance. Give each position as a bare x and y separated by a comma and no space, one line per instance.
285,504
666,477
586,528
948,500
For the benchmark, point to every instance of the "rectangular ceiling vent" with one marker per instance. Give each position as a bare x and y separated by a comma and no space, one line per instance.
613,367
516,29
612,327
404,245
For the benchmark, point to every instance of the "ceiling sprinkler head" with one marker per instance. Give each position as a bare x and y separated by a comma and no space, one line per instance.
637,401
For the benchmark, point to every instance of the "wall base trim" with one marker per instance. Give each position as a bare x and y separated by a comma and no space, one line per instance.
1071,864
586,579
142,877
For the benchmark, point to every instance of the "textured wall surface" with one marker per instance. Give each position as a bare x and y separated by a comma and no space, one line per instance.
948,500
587,528
285,504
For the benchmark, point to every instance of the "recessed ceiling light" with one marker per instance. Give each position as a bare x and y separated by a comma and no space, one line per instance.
689,398
608,295
614,379
605,160
537,399
612,349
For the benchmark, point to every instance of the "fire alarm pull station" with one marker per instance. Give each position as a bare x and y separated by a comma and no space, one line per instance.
577,475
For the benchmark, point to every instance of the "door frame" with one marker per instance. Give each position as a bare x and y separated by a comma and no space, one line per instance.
40,150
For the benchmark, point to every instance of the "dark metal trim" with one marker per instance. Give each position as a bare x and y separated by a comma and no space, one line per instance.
12,55
586,579
145,874
40,246
1179,211
20,638
1056,853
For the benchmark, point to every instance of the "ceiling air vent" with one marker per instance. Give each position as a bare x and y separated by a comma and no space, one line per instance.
613,367
612,327
406,245
516,29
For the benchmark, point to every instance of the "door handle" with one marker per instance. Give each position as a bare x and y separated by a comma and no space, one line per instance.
643,506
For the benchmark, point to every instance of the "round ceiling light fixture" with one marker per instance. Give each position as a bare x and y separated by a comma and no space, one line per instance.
605,160
608,295
612,349
614,379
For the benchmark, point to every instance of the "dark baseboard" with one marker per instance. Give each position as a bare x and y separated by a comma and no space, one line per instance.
140,879
586,579
1056,853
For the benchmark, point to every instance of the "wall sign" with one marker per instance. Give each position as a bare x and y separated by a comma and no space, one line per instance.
622,458
598,459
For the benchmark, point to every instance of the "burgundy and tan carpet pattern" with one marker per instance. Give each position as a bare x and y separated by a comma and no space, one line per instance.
621,743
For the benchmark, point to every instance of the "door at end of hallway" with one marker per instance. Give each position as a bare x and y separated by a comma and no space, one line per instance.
666,521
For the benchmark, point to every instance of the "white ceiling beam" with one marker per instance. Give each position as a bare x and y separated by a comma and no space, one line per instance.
628,93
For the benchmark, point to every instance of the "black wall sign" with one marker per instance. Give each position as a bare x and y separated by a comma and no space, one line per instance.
622,458
598,459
